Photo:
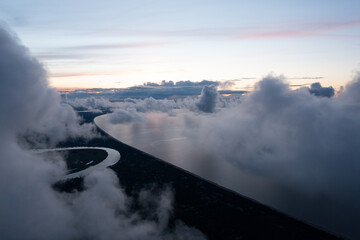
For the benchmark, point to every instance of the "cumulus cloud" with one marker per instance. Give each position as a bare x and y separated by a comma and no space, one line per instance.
140,105
91,104
30,208
27,103
208,99
351,94
133,110
186,83
320,91
298,139
28,205
151,104
123,116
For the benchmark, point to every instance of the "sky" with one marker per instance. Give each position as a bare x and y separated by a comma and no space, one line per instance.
116,44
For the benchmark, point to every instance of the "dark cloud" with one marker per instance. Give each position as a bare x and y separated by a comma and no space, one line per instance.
186,83
199,84
320,91
163,83
208,99
165,89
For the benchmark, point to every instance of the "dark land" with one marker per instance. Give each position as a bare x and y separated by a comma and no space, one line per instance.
217,212
79,159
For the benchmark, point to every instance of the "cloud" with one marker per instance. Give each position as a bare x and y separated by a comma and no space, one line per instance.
163,83
186,83
91,103
115,46
208,99
128,104
165,89
105,200
298,139
30,208
228,83
295,150
123,116
151,104
92,51
132,110
294,32
320,91
29,106
351,93
319,29
66,75
28,205
305,78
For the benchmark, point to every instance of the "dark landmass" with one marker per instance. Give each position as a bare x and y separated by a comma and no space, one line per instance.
80,159
88,116
217,212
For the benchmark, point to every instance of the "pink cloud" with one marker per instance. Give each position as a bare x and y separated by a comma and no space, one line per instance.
305,31
66,75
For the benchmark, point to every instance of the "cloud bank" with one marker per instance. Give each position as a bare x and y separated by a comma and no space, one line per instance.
302,144
122,116
299,139
165,89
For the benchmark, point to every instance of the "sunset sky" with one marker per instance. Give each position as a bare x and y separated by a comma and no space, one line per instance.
111,44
